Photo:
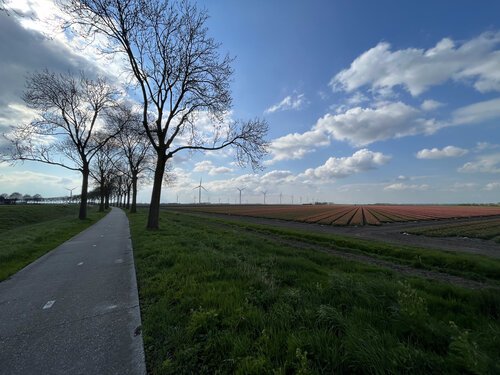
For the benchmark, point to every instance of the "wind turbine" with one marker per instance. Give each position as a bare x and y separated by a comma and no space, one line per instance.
265,193
199,187
281,195
70,191
240,190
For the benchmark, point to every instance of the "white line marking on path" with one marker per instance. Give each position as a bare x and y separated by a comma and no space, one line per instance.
119,260
48,305
94,245
79,264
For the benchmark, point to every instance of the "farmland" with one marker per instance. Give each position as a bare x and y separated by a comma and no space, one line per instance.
487,230
352,215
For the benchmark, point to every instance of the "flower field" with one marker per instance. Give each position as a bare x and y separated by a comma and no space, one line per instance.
350,214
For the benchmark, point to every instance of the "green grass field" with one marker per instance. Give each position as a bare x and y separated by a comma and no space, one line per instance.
29,231
485,229
220,299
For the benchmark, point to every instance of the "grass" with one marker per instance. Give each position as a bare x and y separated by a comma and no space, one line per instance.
472,266
487,230
29,231
221,300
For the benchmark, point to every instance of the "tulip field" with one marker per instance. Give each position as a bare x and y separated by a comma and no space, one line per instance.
356,215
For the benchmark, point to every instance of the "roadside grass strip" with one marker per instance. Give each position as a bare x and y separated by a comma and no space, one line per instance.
25,240
219,299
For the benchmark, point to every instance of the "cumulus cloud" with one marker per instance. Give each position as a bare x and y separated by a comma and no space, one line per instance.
207,166
402,187
446,152
290,102
362,160
482,164
416,70
29,182
492,186
430,105
296,145
362,126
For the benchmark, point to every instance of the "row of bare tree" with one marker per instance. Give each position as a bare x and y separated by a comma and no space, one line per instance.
82,126
176,72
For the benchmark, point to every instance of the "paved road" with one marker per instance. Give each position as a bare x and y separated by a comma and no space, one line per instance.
75,310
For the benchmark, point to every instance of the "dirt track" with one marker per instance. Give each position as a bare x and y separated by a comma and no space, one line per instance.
394,233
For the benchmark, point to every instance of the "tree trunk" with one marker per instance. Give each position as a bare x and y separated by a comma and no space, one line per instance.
133,208
106,202
83,201
128,196
101,192
154,206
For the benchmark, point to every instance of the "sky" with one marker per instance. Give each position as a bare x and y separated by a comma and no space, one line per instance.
367,102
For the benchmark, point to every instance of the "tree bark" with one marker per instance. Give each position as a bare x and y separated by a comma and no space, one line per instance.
101,202
83,201
106,202
127,206
154,207
133,207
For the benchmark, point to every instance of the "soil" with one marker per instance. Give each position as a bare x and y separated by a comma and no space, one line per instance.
366,259
394,233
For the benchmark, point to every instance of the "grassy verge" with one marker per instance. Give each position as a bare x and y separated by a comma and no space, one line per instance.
487,230
28,232
221,300
472,266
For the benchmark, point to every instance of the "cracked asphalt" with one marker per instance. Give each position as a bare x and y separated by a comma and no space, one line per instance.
76,309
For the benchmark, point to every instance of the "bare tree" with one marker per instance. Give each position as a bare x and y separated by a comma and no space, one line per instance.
135,147
64,134
180,76
102,168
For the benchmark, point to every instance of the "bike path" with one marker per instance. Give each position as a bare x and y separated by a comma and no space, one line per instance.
75,310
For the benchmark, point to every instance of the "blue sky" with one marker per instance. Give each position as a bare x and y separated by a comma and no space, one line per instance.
367,102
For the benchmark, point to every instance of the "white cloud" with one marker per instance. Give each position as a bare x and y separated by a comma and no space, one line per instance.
277,177
296,145
475,61
207,166
361,160
446,152
29,182
362,126
483,164
401,187
356,99
482,146
219,170
290,102
430,105
492,186
462,186
477,112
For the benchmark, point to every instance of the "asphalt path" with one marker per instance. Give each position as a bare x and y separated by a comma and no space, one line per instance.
76,309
